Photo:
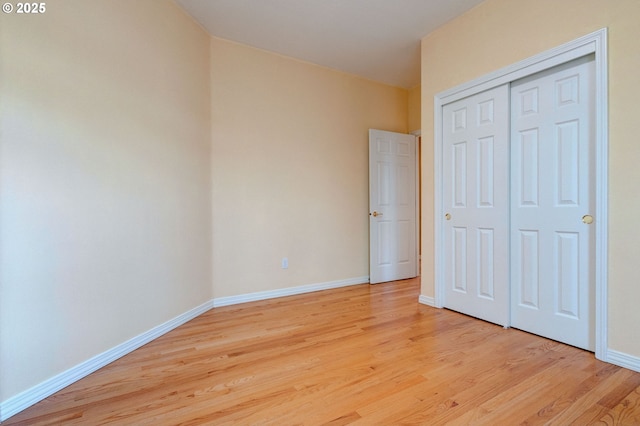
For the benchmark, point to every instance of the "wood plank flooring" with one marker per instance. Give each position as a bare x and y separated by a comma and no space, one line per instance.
362,355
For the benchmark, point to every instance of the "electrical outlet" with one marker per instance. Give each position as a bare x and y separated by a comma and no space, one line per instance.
285,263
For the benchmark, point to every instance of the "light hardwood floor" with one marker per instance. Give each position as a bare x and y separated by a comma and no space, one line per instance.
367,355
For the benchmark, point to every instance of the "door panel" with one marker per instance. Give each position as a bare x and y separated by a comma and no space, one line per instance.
459,267
475,199
392,204
527,249
551,156
486,262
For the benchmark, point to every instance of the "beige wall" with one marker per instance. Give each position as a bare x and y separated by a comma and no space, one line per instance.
290,169
105,180
146,168
498,33
415,109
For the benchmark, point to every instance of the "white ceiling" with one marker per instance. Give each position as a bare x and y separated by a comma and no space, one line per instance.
375,39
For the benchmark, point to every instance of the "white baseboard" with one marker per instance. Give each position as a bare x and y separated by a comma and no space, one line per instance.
426,300
620,359
623,360
271,294
47,388
41,391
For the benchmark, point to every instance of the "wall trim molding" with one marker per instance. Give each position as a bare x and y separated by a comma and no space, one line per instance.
50,386
37,393
427,300
25,399
622,359
290,291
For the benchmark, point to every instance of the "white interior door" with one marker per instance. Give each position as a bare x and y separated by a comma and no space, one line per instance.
475,201
392,206
552,153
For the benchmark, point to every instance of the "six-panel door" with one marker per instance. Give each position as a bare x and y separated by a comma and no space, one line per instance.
475,199
551,190
518,204
392,204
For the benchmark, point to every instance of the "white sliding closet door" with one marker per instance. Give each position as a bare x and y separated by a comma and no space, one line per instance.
476,208
552,239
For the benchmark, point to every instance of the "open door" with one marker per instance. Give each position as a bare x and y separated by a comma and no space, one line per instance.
392,206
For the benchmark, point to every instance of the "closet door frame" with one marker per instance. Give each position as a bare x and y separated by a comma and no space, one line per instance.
594,43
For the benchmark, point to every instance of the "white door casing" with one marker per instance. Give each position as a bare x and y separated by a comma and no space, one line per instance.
392,206
551,191
475,200
596,44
